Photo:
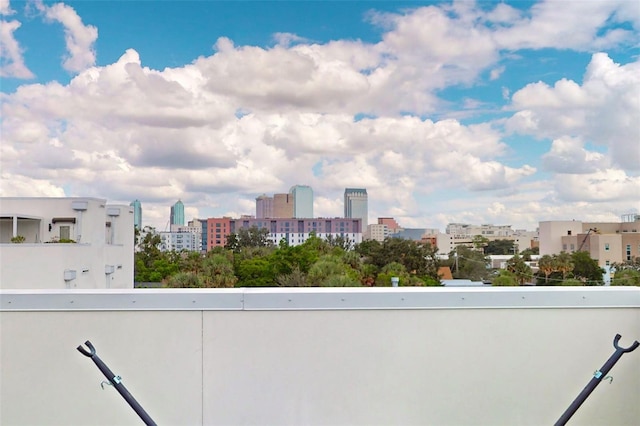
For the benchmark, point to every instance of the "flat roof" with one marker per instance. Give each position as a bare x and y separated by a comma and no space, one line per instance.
312,298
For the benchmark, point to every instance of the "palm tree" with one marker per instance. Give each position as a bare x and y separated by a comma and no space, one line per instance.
546,265
564,263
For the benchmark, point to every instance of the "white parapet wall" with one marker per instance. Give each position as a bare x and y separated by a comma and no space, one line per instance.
388,356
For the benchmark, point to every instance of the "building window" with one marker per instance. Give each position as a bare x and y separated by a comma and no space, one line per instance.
607,263
573,247
606,247
568,232
628,251
564,247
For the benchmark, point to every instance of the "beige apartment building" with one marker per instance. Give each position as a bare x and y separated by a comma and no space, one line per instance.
608,242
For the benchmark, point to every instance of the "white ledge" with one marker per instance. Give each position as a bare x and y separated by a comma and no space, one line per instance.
312,298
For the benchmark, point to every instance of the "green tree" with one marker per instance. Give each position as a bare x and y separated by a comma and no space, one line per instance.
571,282
470,264
480,242
499,247
217,271
564,264
519,269
390,270
586,269
255,272
296,278
628,277
546,265
505,279
419,259
528,252
248,237
326,267
183,280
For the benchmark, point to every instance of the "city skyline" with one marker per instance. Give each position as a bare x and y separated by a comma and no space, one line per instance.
506,113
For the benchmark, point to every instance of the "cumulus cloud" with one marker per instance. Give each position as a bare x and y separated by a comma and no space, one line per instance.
568,25
79,38
601,186
248,120
5,8
603,110
568,155
11,59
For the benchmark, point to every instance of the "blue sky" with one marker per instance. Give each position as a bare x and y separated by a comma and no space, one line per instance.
486,112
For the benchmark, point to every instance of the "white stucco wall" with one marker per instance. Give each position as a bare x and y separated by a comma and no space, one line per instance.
399,356
39,263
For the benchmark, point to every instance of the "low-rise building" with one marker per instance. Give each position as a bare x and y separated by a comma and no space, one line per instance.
65,243
607,242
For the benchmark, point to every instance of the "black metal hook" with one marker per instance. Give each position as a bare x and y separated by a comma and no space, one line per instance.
631,348
598,376
84,352
115,381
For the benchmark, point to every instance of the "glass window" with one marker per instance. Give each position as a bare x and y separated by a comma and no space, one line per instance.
606,247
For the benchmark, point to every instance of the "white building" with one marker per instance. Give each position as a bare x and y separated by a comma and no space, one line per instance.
377,231
463,234
65,243
178,241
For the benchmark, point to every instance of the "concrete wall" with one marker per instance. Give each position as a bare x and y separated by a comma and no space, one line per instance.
401,356
102,256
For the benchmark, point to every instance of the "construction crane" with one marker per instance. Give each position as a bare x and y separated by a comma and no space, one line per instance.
584,240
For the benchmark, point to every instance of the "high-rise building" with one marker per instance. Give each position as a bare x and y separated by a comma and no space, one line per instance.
264,207
137,213
302,201
356,205
282,206
177,214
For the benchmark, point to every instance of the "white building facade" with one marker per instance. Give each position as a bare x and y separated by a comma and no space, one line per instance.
65,243
179,241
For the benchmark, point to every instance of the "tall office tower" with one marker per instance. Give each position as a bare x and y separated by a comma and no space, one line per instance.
177,214
282,205
302,201
137,213
356,205
264,207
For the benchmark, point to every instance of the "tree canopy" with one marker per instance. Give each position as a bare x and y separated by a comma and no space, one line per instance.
250,260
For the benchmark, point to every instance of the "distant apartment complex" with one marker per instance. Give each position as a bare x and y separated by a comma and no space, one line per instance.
186,237
294,231
65,243
608,242
356,205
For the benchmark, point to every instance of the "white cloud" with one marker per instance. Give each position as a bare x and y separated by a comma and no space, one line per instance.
601,186
124,131
287,39
568,155
603,110
79,38
5,8
11,60
568,25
